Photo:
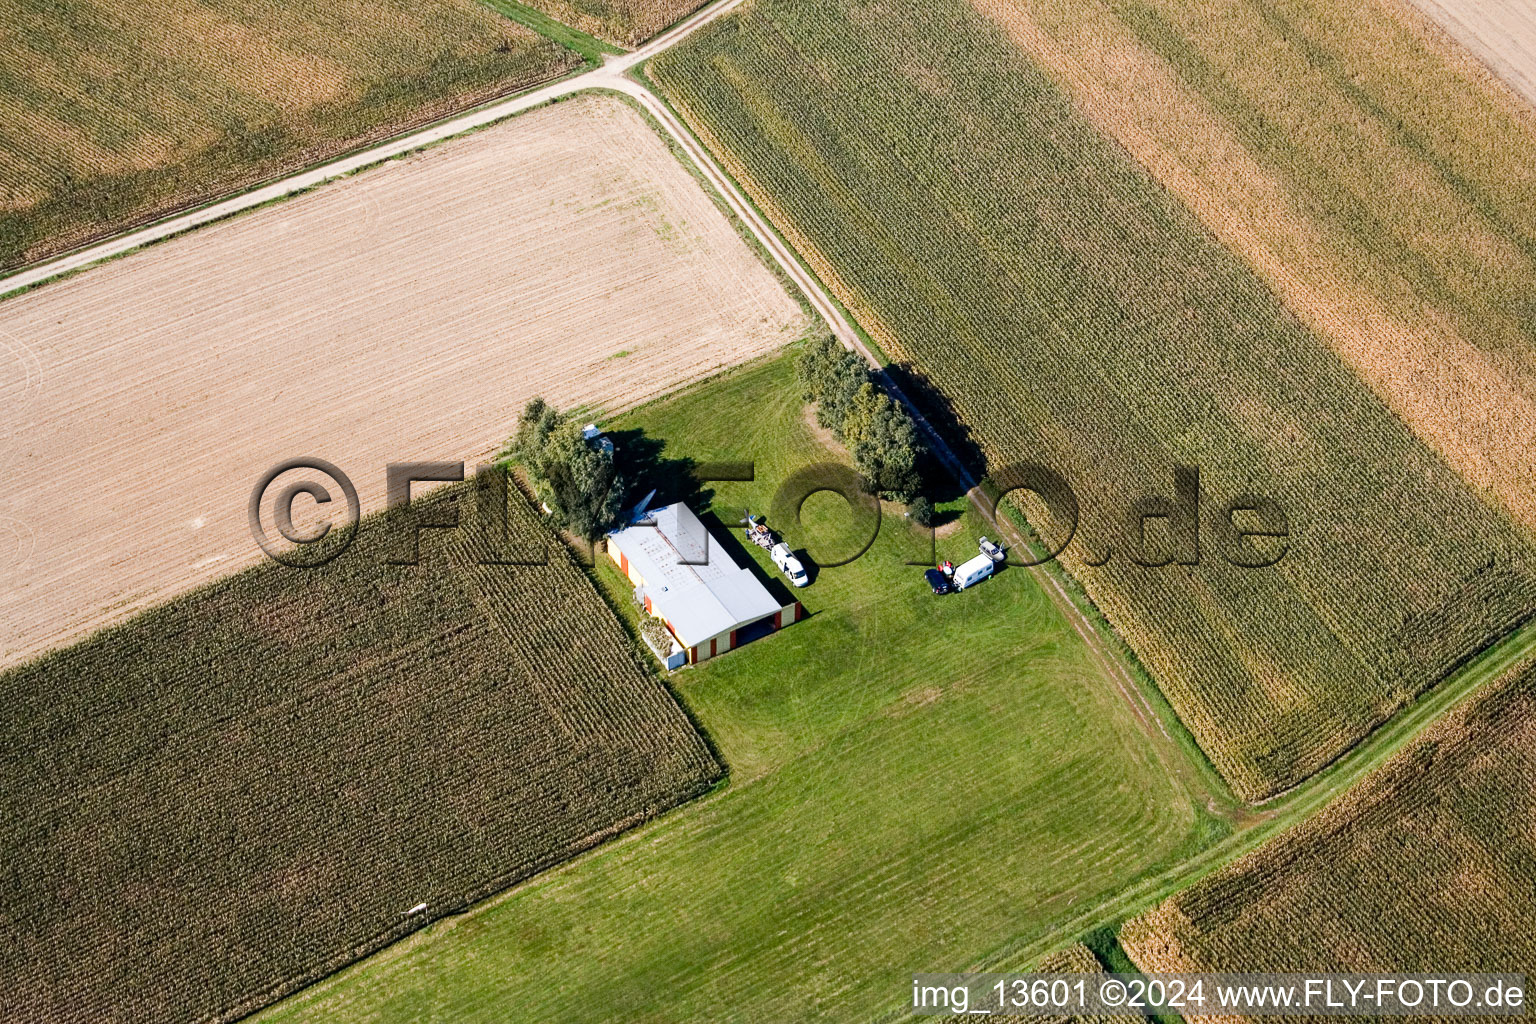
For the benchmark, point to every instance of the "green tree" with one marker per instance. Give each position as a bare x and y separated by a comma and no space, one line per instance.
832,377
886,447
884,444
587,487
576,479
538,421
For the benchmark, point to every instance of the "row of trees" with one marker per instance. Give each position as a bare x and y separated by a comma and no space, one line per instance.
885,444
585,491
576,479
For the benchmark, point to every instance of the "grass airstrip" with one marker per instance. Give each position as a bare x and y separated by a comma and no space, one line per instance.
916,783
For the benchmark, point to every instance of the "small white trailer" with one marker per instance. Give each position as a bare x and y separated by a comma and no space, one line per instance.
973,571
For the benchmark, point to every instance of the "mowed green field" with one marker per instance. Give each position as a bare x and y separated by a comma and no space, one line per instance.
116,113
916,783
241,791
993,242
1428,865
623,22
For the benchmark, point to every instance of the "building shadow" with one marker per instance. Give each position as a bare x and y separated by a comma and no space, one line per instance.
643,461
730,539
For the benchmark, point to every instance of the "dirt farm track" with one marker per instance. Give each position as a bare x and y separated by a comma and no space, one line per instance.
403,314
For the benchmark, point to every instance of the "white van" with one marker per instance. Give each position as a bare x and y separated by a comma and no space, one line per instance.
973,571
785,560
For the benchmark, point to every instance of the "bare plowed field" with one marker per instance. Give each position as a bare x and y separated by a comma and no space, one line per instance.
114,113
1502,33
404,314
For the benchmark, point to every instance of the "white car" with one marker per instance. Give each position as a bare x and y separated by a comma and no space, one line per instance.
785,560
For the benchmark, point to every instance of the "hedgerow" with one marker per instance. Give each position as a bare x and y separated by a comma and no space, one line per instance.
881,436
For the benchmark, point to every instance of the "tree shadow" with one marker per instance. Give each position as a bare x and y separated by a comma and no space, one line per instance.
645,464
937,408
943,517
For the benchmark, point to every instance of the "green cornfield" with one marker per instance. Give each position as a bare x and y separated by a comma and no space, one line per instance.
113,114
246,789
1424,866
1051,299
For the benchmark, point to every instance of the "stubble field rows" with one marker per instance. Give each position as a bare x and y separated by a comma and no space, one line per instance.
403,314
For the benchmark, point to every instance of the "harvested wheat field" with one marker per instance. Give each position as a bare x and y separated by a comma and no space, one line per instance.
1502,33
403,314
117,113
1394,212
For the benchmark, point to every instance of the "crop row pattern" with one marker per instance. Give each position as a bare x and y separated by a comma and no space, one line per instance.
1076,315
249,787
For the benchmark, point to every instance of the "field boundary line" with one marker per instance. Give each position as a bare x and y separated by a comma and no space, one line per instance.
592,50
1331,784
608,76
843,328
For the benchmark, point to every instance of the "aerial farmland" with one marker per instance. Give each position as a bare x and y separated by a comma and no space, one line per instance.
1095,441
190,101
368,750
454,271
625,22
1363,885
1049,326
1500,35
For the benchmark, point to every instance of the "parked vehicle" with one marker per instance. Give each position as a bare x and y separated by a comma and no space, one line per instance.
974,571
758,533
597,439
938,582
786,560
